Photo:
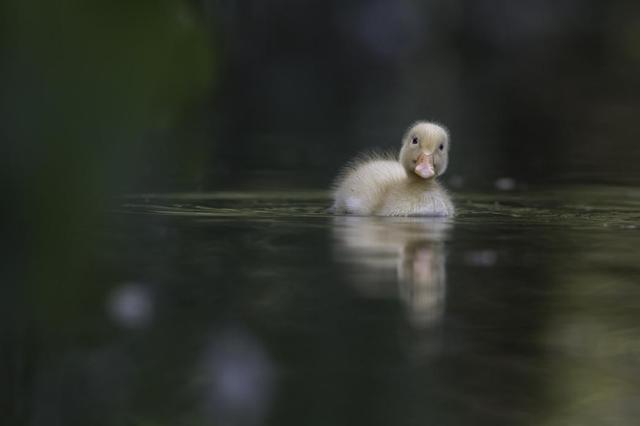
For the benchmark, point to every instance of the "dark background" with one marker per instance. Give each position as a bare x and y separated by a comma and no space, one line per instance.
175,95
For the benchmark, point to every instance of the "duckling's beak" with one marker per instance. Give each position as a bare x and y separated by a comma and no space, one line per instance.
424,166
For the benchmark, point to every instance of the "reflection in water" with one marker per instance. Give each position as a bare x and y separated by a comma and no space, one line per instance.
397,257
542,324
238,379
131,306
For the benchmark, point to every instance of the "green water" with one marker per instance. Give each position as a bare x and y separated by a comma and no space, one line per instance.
240,308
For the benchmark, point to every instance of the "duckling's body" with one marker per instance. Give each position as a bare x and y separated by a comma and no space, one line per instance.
406,187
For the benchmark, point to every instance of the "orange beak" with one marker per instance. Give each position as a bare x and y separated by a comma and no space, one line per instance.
424,166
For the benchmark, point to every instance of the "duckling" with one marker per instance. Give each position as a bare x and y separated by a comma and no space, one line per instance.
404,187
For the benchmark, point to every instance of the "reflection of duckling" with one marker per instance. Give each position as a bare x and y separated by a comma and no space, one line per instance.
421,279
406,187
409,252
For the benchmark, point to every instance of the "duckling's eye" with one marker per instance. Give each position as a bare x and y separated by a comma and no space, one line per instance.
441,146
414,140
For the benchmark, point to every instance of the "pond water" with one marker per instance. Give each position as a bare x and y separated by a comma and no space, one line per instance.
240,308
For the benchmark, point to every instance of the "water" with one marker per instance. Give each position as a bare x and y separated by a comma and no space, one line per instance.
261,309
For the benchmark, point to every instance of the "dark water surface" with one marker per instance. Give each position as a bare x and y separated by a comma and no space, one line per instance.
260,309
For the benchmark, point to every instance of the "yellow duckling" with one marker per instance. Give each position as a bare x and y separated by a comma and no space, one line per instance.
407,187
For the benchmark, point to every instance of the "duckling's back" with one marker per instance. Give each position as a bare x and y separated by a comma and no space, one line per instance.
363,186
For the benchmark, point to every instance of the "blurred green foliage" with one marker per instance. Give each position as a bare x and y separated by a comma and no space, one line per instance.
86,81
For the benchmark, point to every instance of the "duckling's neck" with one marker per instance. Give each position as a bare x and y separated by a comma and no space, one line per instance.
418,182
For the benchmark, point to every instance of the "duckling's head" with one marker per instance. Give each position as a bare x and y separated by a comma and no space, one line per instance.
425,150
